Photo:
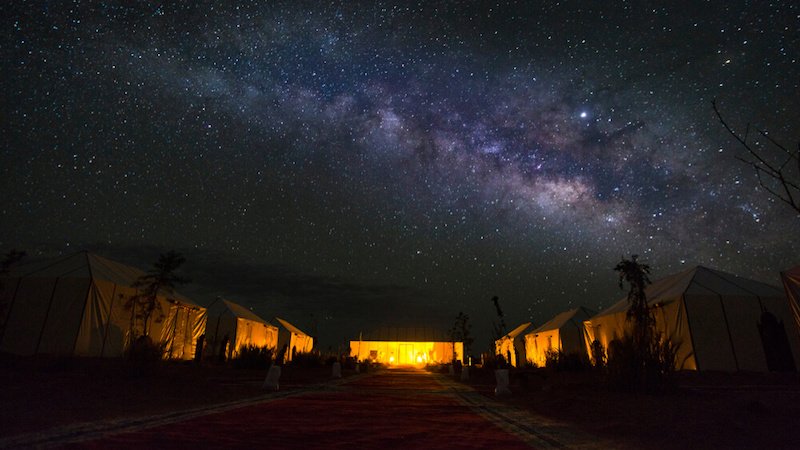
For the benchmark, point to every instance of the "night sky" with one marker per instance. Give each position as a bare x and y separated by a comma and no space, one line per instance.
355,163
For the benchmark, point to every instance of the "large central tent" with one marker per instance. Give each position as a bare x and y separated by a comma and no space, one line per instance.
406,346
80,305
721,321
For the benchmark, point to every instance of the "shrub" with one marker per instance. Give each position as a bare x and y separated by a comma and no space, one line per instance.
144,350
311,359
653,371
492,361
567,362
253,357
598,354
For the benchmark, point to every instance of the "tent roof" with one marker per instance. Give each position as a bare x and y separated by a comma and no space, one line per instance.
290,327
698,280
406,334
85,265
575,316
517,331
241,312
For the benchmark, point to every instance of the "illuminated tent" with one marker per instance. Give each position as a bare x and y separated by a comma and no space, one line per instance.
512,345
563,332
406,345
791,282
76,305
231,326
721,321
295,340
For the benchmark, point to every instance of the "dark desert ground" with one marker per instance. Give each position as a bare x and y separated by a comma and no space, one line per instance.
707,410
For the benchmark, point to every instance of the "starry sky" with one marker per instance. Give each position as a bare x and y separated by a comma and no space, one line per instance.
352,163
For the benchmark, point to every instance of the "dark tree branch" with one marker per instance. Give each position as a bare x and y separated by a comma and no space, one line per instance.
789,189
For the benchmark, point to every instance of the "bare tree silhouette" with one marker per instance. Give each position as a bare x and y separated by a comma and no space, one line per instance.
780,176
160,279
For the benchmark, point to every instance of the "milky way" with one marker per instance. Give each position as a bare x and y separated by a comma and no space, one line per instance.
344,162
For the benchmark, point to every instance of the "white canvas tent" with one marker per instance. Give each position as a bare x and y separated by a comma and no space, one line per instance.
512,345
231,326
563,332
76,305
791,283
294,339
721,321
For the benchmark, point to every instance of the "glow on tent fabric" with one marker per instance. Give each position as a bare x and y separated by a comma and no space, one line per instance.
406,352
512,345
293,339
233,326
564,333
406,346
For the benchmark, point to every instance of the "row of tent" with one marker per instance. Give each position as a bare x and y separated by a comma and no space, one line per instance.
81,305
720,322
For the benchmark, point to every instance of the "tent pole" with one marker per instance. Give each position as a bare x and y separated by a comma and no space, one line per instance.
186,335
108,320
174,329
83,314
728,329
10,308
46,316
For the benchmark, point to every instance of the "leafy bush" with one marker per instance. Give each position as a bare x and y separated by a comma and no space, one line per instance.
310,359
144,350
492,361
598,354
560,361
652,371
253,357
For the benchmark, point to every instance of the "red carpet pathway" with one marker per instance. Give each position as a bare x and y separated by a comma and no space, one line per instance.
388,409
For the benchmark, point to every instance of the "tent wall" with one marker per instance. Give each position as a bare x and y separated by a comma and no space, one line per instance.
514,347
569,339
220,329
249,332
180,330
295,343
43,315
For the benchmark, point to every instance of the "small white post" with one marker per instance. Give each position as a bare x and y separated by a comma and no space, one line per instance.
273,375
501,376
337,370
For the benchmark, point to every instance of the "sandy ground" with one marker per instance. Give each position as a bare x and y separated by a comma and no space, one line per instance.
387,409
706,411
